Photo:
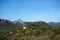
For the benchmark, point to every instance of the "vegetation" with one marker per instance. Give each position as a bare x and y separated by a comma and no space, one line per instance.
33,31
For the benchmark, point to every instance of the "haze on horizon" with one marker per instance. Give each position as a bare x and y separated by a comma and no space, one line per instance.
30,10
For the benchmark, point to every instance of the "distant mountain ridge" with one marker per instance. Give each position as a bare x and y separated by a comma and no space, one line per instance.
5,21
19,21
7,24
54,23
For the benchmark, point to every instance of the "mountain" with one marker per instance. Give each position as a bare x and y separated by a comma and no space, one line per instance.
19,21
54,23
6,24
38,30
5,21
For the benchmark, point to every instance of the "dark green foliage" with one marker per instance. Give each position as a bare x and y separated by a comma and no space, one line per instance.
57,30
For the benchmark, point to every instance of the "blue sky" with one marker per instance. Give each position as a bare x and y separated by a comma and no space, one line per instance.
30,10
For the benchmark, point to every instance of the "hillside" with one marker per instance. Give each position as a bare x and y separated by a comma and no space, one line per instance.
20,30
7,25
